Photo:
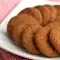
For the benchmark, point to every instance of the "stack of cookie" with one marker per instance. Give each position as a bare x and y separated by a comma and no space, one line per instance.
37,30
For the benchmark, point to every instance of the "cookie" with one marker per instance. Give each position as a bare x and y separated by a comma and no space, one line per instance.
13,21
58,11
17,33
34,12
22,18
42,42
45,14
55,38
28,40
53,24
53,12
27,19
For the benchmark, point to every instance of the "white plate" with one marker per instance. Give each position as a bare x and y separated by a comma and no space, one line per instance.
7,44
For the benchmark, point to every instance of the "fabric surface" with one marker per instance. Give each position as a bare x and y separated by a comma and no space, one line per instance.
9,56
54,0
5,7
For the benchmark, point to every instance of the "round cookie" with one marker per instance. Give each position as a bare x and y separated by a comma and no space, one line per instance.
58,11
43,44
17,33
55,38
22,18
27,19
13,21
58,8
53,24
45,14
34,12
28,39
53,12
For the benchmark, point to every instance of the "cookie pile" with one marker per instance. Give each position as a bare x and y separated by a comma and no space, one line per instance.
37,29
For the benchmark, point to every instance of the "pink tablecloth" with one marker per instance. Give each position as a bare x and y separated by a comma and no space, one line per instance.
9,56
54,0
5,7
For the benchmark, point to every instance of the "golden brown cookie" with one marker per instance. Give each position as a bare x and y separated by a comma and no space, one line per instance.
53,24
34,12
45,14
13,21
53,12
22,18
43,43
27,19
58,12
28,39
17,33
55,38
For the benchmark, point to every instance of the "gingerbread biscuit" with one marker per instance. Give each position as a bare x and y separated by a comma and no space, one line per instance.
42,42
53,12
55,38
58,12
17,33
28,39
13,21
45,14
53,24
34,12
22,18
27,19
